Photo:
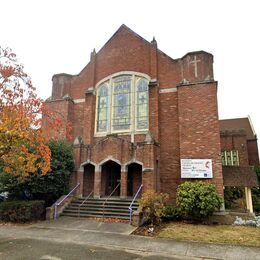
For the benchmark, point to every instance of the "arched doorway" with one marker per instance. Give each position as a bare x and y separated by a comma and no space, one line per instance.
110,177
134,178
88,179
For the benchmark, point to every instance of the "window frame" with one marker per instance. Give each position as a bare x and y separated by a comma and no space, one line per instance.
232,154
133,110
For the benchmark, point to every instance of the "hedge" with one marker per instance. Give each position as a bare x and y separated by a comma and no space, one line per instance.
22,211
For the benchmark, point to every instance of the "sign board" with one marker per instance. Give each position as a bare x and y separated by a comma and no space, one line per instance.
196,168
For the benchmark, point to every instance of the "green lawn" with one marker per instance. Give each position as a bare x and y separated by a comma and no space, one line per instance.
235,235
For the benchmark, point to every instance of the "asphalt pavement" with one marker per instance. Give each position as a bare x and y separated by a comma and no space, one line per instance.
88,239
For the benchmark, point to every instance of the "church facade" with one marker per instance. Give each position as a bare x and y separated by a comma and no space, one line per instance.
138,117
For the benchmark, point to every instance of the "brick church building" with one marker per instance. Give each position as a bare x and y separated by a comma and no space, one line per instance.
140,117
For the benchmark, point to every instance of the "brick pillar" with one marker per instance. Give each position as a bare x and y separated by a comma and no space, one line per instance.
97,184
123,185
148,180
80,178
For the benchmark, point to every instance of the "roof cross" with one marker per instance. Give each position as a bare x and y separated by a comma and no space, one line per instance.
195,63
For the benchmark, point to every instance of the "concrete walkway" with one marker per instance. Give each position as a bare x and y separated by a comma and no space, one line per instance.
113,235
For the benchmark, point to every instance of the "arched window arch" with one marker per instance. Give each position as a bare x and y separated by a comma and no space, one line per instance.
122,104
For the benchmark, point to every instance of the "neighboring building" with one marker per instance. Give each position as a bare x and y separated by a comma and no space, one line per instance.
137,114
239,152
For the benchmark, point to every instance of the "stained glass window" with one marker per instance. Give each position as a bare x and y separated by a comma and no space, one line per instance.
142,104
102,113
121,103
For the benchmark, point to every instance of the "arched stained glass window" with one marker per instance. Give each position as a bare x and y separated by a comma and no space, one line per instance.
121,103
102,109
142,104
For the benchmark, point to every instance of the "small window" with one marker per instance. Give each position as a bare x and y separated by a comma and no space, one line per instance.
229,158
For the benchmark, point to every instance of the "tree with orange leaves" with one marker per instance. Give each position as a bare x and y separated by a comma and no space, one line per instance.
23,150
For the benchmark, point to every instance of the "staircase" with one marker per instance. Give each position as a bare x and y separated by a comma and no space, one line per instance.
114,208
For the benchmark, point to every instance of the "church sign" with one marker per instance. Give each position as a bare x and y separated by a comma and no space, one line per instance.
196,168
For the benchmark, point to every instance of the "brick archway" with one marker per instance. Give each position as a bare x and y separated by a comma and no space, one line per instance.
110,177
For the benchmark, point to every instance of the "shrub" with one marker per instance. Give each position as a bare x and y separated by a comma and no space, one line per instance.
153,204
21,211
248,222
256,192
47,187
231,194
171,212
197,200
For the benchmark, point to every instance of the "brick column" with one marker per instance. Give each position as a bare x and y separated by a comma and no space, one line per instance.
148,179
97,184
123,185
80,175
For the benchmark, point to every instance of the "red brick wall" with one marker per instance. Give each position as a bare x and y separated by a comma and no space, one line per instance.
199,126
253,155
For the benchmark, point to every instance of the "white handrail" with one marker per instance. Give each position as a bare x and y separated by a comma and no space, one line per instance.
59,203
130,207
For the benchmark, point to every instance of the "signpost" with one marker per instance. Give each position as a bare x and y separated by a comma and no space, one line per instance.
196,168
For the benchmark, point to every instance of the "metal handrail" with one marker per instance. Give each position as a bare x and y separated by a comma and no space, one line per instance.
59,203
84,201
130,207
108,198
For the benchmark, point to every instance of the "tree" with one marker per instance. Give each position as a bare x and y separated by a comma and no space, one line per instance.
22,146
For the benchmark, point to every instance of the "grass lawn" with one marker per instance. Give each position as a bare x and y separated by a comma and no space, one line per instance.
235,235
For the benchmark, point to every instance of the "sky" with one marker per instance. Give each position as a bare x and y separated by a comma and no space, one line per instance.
55,36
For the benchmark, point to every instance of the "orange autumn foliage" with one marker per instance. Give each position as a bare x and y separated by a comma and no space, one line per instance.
23,148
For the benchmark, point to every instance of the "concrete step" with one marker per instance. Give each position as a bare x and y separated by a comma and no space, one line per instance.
113,207
86,204
93,215
88,209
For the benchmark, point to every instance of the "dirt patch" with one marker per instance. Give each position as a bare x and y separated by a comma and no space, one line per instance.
112,220
149,230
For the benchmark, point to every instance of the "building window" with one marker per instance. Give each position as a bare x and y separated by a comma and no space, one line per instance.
102,108
122,104
230,158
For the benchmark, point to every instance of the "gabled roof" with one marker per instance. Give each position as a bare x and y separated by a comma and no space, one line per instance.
238,124
122,28
236,176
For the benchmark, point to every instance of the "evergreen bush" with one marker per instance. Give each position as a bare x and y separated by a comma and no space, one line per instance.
197,200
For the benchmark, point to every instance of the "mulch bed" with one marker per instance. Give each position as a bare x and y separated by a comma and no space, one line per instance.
112,220
149,230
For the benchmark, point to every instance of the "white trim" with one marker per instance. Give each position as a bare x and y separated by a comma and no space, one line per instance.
167,90
79,100
121,73
133,97
133,161
251,124
109,158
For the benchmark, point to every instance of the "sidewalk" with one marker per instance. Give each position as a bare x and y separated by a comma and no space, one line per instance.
113,235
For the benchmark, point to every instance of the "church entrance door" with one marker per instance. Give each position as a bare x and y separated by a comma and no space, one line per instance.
134,178
88,179
111,173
